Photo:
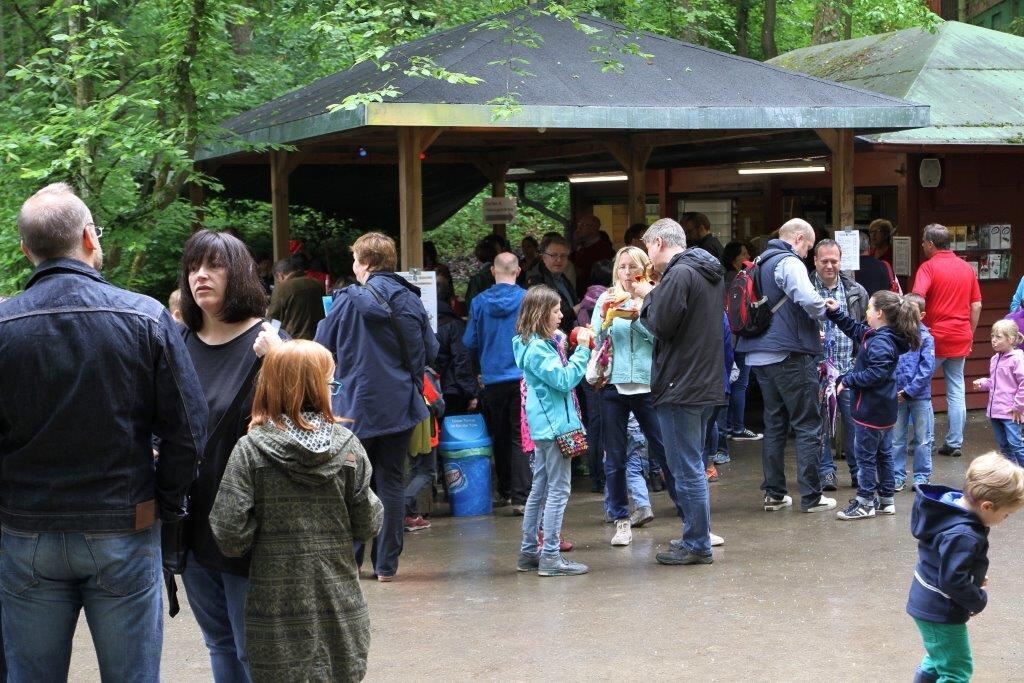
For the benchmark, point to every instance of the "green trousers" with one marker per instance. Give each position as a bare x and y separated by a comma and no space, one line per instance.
948,651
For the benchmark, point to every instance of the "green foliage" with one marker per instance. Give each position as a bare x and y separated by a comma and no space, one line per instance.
115,96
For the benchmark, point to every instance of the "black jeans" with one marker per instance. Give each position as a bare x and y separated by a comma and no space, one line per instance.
592,400
387,454
790,392
501,406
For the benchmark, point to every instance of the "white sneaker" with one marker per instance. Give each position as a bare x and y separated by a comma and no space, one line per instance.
824,503
716,540
623,534
773,504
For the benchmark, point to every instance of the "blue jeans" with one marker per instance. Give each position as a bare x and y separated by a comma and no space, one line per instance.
683,428
735,415
827,465
422,470
217,600
549,494
1009,440
615,410
790,391
916,419
636,447
953,369
874,464
47,578
722,425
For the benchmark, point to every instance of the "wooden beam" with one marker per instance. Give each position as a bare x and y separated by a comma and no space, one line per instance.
279,202
430,136
637,175
410,197
840,142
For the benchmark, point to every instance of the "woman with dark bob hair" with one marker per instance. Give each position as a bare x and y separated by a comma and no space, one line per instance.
382,339
222,306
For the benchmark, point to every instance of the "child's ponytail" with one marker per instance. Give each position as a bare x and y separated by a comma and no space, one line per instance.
902,316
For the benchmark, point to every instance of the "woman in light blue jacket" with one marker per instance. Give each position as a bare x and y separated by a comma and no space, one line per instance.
551,410
628,390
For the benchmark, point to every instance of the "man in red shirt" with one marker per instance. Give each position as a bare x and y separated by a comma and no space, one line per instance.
951,289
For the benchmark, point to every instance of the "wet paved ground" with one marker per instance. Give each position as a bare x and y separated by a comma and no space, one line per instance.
790,597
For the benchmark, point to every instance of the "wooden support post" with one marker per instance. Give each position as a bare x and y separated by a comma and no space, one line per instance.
498,190
279,202
410,197
840,142
633,159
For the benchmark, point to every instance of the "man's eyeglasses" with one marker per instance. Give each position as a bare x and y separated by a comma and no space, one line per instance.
97,228
556,257
335,387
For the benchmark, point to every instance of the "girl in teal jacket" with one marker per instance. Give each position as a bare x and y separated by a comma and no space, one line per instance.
550,411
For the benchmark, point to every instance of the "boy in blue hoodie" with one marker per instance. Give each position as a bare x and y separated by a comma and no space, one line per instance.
951,528
915,418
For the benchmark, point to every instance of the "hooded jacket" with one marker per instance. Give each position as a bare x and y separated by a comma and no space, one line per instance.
550,410
488,336
952,559
915,368
454,363
378,391
683,313
1005,385
632,346
299,511
873,377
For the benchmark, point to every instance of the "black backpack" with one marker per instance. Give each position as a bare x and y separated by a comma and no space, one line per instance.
746,305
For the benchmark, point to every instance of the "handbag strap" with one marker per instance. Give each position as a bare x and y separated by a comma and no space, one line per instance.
403,350
236,402
545,410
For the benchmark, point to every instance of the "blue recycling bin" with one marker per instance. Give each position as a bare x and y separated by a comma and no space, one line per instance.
465,449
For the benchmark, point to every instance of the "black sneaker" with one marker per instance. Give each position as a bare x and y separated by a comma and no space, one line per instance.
746,435
829,483
677,557
951,451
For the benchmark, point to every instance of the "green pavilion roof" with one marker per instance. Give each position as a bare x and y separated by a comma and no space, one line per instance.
972,77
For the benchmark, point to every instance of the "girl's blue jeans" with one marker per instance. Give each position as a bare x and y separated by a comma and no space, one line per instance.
549,495
1009,439
874,464
914,430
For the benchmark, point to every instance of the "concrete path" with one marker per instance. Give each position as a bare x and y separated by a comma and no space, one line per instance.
790,597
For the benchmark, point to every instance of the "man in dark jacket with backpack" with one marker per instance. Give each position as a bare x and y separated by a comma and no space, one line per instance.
686,372
784,359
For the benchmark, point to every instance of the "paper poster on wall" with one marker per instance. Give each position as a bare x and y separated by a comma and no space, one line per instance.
1006,239
1004,267
958,237
901,255
984,236
849,243
972,236
974,267
426,280
984,273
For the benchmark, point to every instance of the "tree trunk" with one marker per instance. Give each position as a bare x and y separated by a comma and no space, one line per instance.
961,11
829,22
743,28
768,46
85,92
688,34
241,38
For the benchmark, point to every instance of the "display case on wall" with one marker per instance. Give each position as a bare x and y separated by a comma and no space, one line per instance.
985,246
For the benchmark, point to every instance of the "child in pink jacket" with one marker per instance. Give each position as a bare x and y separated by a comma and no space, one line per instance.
1005,385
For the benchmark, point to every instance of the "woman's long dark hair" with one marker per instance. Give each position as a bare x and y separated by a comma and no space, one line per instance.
244,297
900,314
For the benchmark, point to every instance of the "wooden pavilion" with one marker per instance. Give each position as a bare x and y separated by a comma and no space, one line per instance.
407,163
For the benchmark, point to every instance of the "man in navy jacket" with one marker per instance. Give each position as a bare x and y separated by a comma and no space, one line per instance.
91,373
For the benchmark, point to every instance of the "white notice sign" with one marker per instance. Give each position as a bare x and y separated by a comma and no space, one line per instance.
426,280
849,243
499,210
901,255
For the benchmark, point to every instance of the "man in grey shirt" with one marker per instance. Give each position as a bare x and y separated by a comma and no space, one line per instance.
784,359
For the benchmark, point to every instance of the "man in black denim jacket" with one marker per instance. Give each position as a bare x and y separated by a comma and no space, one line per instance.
90,372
